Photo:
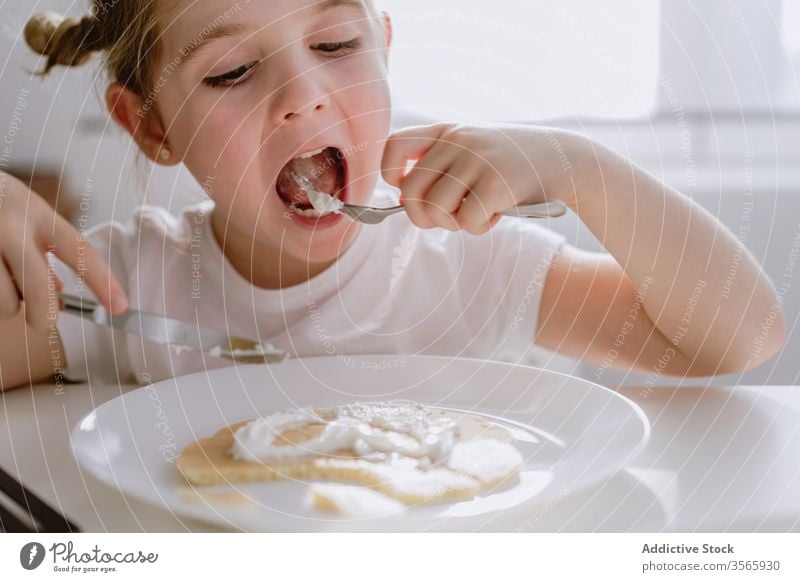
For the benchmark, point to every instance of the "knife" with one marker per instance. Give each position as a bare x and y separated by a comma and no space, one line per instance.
174,333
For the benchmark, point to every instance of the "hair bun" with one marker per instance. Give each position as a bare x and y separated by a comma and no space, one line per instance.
40,29
63,40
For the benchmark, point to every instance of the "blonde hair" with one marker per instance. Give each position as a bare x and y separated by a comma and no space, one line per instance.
126,29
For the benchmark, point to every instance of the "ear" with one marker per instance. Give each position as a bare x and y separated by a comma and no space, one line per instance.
141,123
387,27
386,20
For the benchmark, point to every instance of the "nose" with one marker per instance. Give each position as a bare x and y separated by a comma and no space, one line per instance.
300,93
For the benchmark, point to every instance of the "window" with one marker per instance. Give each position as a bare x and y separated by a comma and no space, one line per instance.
519,60
726,56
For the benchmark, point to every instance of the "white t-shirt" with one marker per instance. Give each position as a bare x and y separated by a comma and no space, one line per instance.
397,289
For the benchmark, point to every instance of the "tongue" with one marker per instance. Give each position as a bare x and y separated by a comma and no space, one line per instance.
321,169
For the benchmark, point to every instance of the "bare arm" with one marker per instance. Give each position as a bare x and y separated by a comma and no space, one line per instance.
708,307
677,294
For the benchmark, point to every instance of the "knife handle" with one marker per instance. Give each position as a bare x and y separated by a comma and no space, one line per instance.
76,304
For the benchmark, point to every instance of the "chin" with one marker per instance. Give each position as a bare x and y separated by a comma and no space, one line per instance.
328,246
308,245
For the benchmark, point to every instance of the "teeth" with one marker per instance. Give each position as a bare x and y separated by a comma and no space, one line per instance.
312,154
310,213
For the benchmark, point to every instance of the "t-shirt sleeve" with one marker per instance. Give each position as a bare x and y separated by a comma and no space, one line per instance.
95,352
506,270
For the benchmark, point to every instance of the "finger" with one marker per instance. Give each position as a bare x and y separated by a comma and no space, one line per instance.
405,145
485,227
30,274
424,175
9,294
54,279
428,169
51,272
444,198
77,253
477,211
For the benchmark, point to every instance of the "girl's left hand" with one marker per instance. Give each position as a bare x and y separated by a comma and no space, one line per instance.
464,176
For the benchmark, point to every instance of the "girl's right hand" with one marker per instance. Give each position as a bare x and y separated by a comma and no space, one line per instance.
29,228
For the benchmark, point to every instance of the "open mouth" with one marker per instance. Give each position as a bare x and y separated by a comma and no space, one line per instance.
326,169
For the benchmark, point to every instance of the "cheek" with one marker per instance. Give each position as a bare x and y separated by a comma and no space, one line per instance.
370,126
367,105
219,144
202,122
363,81
371,97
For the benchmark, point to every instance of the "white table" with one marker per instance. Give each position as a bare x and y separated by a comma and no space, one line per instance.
719,459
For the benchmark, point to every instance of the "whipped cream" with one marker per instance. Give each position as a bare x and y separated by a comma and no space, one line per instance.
258,350
364,428
323,202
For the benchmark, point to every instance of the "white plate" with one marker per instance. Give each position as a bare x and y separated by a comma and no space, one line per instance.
572,434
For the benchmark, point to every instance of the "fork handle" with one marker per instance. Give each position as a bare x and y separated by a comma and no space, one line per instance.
549,209
75,304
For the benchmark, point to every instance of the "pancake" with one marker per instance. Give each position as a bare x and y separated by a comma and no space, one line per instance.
480,457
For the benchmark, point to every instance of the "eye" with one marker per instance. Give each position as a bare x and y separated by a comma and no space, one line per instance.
231,78
337,48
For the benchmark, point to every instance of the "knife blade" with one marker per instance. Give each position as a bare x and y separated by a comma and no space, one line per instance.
173,333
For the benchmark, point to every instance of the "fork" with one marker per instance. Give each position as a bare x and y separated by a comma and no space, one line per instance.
374,215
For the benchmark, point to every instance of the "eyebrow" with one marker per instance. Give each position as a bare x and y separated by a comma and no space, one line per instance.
200,40
329,4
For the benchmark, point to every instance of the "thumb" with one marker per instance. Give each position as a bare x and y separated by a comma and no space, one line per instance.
410,143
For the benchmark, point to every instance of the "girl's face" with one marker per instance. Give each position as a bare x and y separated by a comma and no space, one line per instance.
248,90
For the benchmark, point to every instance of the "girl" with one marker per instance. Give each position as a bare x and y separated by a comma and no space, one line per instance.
246,94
